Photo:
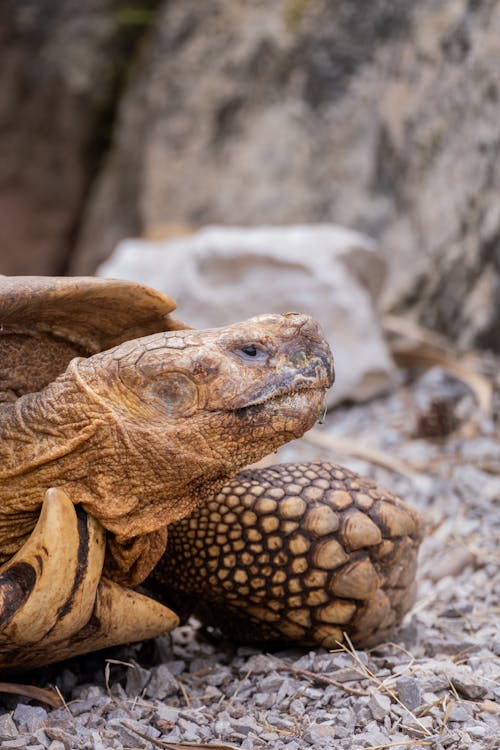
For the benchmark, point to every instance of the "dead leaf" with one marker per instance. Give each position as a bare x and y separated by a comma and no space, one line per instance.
43,695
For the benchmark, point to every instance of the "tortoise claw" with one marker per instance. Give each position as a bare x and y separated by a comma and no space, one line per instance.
53,601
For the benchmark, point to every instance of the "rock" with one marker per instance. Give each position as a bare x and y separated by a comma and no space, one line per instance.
318,732
459,713
54,119
221,274
468,689
18,742
246,725
8,729
409,692
30,718
331,129
65,736
137,679
380,705
162,683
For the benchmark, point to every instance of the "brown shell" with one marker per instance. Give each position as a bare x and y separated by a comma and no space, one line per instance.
45,322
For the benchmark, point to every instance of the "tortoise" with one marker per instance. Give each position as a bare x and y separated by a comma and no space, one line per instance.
117,421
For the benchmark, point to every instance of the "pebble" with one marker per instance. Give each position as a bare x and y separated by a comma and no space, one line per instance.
380,705
459,713
471,690
320,731
8,729
162,683
409,692
137,679
29,717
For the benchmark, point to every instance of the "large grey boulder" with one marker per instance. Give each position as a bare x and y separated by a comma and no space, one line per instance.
222,274
381,116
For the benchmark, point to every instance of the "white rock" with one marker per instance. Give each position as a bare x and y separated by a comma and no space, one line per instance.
220,275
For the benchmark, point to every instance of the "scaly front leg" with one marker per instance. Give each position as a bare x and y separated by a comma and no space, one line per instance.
54,602
295,552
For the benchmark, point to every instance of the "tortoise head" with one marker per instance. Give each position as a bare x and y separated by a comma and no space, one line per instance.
186,409
161,422
181,375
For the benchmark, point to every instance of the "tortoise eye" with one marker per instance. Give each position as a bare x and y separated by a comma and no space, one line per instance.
251,352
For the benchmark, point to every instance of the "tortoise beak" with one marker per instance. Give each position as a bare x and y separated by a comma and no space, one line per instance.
305,361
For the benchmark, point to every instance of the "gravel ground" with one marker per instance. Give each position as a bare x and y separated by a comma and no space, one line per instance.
436,685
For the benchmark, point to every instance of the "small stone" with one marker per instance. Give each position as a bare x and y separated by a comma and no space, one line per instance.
409,692
264,700
56,734
167,713
346,674
380,705
280,722
137,679
476,730
41,737
459,713
8,730
190,730
246,725
162,683
30,717
259,664
176,667
427,722
296,708
470,690
319,732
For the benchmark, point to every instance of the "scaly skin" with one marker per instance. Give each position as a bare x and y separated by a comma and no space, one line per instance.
141,433
297,553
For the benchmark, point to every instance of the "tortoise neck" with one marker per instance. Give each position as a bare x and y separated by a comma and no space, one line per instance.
39,433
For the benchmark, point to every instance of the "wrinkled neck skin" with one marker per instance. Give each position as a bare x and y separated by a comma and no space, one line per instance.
133,472
43,438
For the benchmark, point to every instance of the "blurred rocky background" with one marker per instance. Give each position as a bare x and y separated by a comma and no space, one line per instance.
154,118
